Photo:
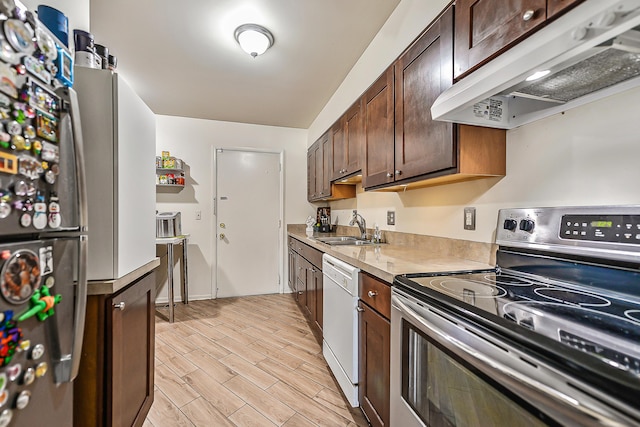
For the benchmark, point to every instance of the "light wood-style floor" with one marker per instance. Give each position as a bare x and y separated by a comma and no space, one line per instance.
250,361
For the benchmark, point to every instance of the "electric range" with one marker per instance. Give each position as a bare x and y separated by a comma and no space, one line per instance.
566,292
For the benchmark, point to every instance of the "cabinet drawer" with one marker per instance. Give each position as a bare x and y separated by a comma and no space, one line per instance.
312,255
376,294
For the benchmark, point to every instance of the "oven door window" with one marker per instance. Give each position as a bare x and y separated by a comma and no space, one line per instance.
443,392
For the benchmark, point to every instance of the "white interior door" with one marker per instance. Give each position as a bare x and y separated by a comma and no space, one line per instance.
248,223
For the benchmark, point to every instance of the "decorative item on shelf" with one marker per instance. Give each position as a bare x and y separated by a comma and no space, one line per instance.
169,172
323,220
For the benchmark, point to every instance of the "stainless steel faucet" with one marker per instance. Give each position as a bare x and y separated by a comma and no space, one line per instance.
362,224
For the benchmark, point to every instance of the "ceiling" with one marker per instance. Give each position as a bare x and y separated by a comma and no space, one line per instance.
182,59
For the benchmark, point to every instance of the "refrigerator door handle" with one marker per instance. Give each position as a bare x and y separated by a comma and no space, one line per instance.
83,213
80,309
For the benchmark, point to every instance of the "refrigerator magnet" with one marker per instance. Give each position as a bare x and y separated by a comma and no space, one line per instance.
8,77
64,65
37,69
19,36
20,276
47,126
44,100
50,152
8,163
46,44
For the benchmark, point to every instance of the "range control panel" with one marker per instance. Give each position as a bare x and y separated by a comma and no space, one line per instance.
601,228
611,232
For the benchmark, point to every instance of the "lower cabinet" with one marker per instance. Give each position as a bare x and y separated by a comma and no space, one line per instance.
307,276
375,338
115,384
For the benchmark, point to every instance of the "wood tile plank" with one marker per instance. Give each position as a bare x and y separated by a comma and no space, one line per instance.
164,413
219,396
249,371
176,390
203,414
263,402
296,380
249,417
211,366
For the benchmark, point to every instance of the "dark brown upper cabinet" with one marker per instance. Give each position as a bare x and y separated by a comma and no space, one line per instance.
378,150
347,134
486,28
319,185
423,72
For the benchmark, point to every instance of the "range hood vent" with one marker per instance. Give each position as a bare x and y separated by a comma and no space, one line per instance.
591,52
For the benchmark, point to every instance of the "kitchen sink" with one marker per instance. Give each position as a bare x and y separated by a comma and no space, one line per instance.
344,240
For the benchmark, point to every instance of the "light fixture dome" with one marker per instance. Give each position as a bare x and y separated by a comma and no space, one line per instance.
253,39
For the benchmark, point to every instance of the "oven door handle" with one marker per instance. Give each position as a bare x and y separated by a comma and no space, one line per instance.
479,359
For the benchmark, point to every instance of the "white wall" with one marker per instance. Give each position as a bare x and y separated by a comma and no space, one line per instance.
406,22
194,140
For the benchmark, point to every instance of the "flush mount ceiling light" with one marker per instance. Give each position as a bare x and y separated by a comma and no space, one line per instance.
253,39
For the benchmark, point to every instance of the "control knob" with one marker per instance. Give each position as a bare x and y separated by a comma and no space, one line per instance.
527,225
510,224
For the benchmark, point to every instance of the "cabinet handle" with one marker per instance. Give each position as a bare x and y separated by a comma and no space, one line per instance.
360,309
372,294
528,14
119,306
300,292
389,174
313,270
398,172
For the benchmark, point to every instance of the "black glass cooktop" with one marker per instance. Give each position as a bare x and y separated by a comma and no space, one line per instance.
599,322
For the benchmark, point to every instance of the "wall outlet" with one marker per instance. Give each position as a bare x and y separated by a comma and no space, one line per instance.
391,217
469,218
198,215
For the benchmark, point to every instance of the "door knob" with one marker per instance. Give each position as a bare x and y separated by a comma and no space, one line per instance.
222,236
372,294
389,174
222,225
528,15
119,306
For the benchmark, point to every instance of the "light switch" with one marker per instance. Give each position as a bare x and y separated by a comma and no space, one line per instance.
469,218
391,217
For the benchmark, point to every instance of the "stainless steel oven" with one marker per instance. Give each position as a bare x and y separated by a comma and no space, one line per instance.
550,337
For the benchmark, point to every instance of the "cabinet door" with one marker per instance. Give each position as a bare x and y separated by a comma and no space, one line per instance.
378,116
318,289
319,170
301,281
130,349
311,293
486,27
423,72
311,173
353,136
338,150
555,7
291,277
325,143
375,337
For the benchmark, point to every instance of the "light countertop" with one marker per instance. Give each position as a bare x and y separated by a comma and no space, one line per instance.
387,260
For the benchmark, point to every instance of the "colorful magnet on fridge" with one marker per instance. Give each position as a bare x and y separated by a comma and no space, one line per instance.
4,140
64,63
19,36
37,145
49,282
13,371
50,177
50,152
40,216
4,397
3,380
37,352
37,69
30,167
19,143
5,417
47,126
23,399
41,369
14,128
8,77
25,345
25,220
42,303
5,209
8,163
29,376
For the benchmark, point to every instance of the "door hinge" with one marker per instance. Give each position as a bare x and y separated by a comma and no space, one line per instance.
280,167
278,279
279,223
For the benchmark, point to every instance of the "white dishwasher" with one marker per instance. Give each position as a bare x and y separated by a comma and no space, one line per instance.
340,323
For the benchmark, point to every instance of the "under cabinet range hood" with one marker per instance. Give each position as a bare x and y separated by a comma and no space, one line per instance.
591,52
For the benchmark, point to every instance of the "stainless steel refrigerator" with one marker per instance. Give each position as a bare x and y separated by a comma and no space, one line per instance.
42,225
